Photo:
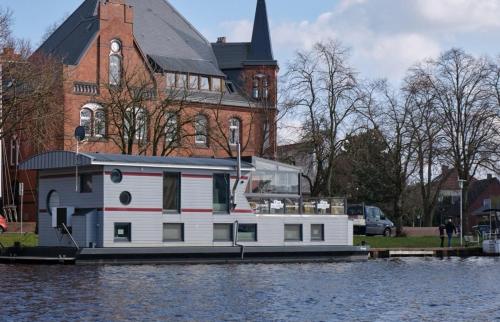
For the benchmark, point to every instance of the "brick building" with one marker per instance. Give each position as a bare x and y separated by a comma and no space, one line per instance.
231,87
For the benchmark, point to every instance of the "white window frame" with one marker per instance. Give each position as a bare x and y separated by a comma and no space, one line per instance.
197,134
237,136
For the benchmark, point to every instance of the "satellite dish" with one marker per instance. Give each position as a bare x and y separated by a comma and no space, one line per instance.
80,133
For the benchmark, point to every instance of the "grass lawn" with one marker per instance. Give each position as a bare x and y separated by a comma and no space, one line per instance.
403,242
27,240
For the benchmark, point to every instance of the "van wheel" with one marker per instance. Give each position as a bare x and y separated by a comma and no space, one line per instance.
387,232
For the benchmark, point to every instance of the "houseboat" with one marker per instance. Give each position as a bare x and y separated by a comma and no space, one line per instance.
110,206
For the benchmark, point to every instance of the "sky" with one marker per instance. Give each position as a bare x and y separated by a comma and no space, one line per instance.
385,37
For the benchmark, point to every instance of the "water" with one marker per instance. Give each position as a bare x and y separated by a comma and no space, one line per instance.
383,290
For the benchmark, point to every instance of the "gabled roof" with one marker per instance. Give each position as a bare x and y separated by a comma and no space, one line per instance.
161,32
71,40
68,159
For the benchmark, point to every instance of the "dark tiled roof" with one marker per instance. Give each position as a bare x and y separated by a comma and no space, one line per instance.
70,41
162,33
231,55
165,35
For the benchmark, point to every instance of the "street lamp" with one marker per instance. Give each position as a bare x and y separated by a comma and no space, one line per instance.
461,185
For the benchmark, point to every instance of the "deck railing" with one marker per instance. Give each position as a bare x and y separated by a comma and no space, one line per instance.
298,206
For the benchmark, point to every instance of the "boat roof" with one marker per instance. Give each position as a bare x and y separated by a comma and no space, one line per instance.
69,159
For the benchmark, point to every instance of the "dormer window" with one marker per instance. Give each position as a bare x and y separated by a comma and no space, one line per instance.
260,87
115,63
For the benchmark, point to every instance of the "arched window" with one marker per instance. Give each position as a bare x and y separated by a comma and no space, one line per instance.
265,88
201,129
115,70
171,128
115,62
93,119
234,131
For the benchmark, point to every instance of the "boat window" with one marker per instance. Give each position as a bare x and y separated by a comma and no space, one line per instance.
171,192
247,232
116,176
173,232
85,183
223,232
317,232
221,190
123,232
125,198
293,232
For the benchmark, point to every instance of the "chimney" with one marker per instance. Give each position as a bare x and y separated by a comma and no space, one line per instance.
221,40
490,176
444,168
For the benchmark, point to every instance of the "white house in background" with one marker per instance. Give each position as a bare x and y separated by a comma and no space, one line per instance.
106,201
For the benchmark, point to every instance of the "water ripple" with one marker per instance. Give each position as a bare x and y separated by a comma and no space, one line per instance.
384,290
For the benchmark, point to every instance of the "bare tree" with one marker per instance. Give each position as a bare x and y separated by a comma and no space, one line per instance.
468,112
323,89
5,26
389,113
144,119
428,137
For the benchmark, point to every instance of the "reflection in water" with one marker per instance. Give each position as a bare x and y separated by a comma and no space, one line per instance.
392,290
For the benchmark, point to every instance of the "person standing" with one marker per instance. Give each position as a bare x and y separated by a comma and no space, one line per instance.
450,230
442,229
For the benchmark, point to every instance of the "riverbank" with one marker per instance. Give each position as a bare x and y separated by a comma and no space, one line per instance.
402,242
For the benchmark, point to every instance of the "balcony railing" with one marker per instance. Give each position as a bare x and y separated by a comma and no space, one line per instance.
297,206
85,88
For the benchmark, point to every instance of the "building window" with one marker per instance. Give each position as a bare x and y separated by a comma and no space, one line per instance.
267,135
171,128
221,190
193,81
125,198
216,84
136,124
260,86
116,176
317,232
115,70
93,119
223,232
201,128
171,80
85,183
86,121
14,151
234,131
123,232
173,232
293,232
171,192
247,232
204,83
182,80
255,88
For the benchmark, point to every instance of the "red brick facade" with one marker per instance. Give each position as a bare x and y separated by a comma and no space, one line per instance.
116,21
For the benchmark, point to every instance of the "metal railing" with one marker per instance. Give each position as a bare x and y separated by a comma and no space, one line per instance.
298,206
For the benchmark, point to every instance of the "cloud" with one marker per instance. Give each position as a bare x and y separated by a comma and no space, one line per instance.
387,37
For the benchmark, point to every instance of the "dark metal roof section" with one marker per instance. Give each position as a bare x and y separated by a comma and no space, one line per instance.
162,33
170,40
67,159
71,40
261,51
231,55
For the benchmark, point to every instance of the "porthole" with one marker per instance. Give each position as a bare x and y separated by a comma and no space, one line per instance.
125,198
116,176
